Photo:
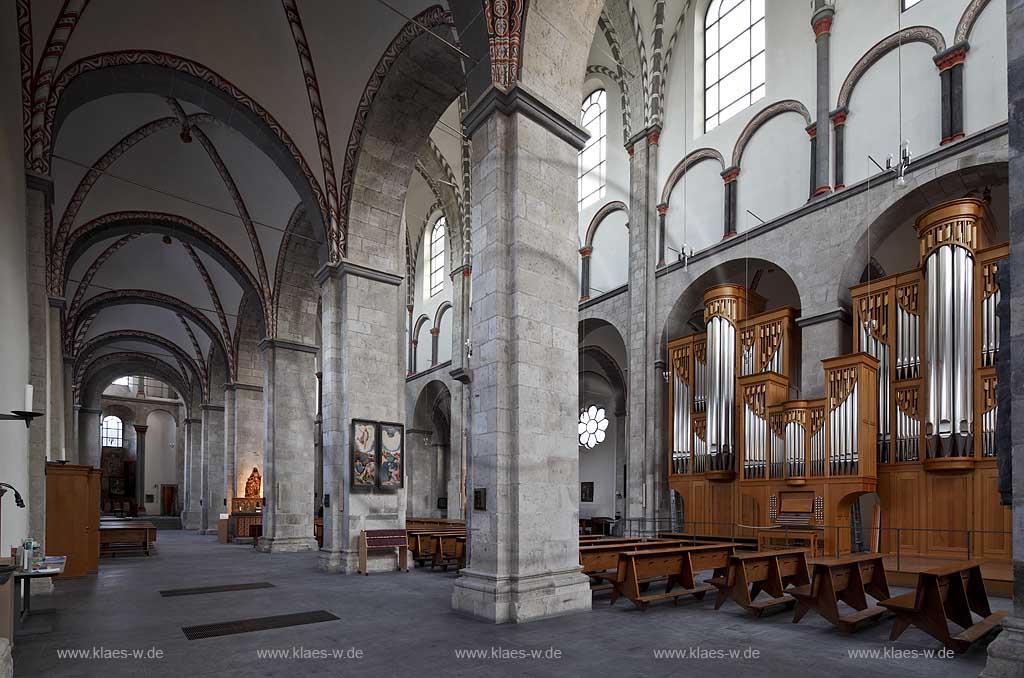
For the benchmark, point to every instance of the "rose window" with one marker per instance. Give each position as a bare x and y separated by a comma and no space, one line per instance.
593,424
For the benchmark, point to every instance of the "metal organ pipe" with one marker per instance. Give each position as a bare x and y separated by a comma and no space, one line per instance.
949,271
721,392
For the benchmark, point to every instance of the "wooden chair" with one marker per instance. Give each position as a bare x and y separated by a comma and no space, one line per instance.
678,565
422,542
943,595
850,579
383,540
748,574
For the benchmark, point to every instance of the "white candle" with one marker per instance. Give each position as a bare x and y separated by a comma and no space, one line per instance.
28,397
48,456
63,454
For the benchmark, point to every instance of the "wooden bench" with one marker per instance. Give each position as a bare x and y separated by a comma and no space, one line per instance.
127,536
449,549
678,565
748,574
850,579
383,540
599,557
422,542
691,538
943,595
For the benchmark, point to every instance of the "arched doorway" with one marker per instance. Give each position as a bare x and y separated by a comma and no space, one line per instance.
429,442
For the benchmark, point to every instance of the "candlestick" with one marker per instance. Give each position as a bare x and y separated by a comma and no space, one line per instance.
28,397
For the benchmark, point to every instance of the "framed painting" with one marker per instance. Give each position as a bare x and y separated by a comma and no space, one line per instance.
587,491
391,456
363,458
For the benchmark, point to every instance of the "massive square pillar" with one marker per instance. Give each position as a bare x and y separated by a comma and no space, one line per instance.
191,516
362,378
213,468
288,445
523,527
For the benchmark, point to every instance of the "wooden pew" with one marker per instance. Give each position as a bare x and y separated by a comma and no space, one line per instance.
692,538
421,543
449,549
748,574
850,579
942,595
123,536
678,565
599,557
383,540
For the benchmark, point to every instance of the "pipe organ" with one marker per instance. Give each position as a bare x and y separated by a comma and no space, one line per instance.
909,415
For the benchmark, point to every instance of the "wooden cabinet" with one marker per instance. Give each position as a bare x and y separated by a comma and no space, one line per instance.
73,517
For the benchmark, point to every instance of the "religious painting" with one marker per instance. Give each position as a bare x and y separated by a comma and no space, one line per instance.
392,456
587,491
117,487
364,455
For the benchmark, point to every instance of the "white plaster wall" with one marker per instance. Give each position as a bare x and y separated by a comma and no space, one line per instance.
597,465
775,176
161,456
873,124
14,358
700,194
985,90
609,262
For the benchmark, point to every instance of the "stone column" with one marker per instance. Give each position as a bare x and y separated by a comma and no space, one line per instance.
55,395
729,176
192,518
434,333
838,118
140,466
821,23
523,561
662,218
410,363
460,372
585,253
822,335
89,449
70,411
289,447
812,132
1006,652
230,444
212,480
361,363
951,76
38,202
250,435
318,431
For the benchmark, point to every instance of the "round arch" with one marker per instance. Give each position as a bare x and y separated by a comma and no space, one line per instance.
97,343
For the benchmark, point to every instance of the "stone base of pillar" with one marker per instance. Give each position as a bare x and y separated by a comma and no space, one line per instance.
1006,652
500,600
286,544
190,520
208,531
338,562
6,661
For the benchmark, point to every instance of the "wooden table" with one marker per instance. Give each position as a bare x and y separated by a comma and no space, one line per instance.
748,574
51,567
678,565
850,579
119,536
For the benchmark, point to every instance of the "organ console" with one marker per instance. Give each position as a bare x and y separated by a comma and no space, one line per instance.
909,415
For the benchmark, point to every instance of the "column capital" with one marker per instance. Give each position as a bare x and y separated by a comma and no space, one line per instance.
435,331
653,135
140,428
520,100
662,209
812,130
821,22
586,251
838,116
339,269
953,56
730,174
57,302
267,343
465,271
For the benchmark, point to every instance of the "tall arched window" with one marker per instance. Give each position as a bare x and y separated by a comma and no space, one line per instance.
436,255
593,115
733,58
111,432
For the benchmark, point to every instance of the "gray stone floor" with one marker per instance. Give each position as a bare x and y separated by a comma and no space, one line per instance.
403,625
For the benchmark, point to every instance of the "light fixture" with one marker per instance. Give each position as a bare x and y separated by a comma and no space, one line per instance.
592,426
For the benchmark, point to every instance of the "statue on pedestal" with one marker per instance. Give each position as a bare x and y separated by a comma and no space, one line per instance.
252,485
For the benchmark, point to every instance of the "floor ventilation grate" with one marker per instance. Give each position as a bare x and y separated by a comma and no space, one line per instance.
216,589
231,628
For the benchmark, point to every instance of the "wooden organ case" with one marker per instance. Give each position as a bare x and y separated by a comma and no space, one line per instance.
910,414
